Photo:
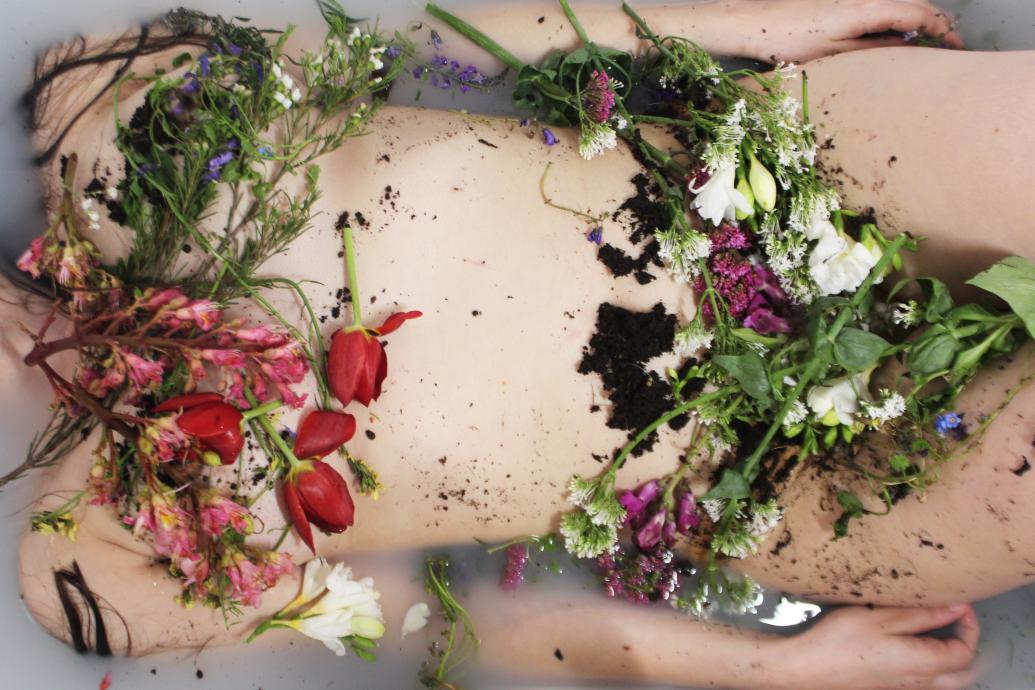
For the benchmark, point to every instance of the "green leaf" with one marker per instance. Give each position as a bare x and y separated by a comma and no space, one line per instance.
181,59
853,508
937,299
732,486
932,353
970,312
858,350
749,371
750,336
1012,280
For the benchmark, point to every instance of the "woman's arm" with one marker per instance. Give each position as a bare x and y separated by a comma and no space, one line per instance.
854,648
768,30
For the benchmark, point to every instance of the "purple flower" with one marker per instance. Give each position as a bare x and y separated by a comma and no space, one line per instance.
686,514
549,137
206,68
649,535
762,320
598,99
191,84
392,52
514,569
729,236
260,73
946,422
636,501
439,61
454,65
446,82
418,72
233,49
596,235
215,164
524,122
436,40
265,151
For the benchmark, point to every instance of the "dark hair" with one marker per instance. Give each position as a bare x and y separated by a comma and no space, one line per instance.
68,579
180,27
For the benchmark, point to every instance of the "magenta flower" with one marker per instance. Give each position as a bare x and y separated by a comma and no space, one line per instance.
686,514
651,532
514,569
218,512
598,98
204,313
636,501
32,260
729,236
142,372
224,358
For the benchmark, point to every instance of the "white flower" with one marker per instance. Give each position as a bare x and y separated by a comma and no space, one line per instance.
282,100
796,415
693,338
714,508
595,139
416,618
354,36
91,214
907,314
837,262
580,491
892,406
718,198
342,607
620,122
241,89
112,193
838,402
764,517
296,94
277,70
585,539
681,251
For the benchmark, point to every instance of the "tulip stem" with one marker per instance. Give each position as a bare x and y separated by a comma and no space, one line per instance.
265,408
350,269
277,439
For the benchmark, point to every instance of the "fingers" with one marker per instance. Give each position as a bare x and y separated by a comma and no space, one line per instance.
911,15
913,621
955,681
848,45
953,657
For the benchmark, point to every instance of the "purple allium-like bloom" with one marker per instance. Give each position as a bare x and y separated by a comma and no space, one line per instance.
514,569
729,236
206,68
596,235
598,98
549,138
946,422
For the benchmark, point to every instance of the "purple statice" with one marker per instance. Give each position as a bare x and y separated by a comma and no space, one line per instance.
205,65
598,98
948,422
596,235
549,138
514,568
728,236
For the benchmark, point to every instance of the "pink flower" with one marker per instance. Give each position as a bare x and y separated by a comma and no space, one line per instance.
729,236
598,98
169,527
169,441
277,564
224,358
247,581
194,571
142,372
261,335
173,298
73,266
218,512
32,260
204,313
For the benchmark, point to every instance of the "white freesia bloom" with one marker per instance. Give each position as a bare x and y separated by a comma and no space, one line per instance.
837,263
342,606
838,402
416,618
718,198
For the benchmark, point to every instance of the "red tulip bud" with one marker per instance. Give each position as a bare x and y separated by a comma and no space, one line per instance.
215,425
323,432
315,493
185,402
357,364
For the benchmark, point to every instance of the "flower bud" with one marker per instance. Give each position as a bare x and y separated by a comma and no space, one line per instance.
745,188
763,186
211,458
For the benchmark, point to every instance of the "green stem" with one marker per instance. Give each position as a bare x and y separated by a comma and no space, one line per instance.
575,23
646,31
264,422
350,269
265,408
280,540
474,35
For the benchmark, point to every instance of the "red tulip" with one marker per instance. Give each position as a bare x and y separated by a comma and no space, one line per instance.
213,423
315,493
323,432
357,364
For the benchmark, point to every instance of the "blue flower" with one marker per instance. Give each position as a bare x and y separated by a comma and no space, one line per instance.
215,164
596,235
549,137
524,122
418,72
191,85
265,151
233,49
946,422
392,52
206,68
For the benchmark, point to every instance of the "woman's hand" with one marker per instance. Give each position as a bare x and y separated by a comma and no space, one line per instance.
800,30
858,648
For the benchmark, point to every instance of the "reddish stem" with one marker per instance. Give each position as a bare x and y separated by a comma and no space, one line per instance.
107,417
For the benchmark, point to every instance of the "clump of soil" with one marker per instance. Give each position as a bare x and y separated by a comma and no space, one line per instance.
618,351
645,215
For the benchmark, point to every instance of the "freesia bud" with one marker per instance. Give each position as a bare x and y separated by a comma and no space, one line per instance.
745,189
763,186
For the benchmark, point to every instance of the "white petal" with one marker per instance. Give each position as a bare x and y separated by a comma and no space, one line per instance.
416,618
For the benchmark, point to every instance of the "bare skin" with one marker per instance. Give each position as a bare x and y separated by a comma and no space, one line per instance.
470,393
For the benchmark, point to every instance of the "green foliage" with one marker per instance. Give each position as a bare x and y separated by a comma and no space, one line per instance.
749,371
858,350
852,509
1013,281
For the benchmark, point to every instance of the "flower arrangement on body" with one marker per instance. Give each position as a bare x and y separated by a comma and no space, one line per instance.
170,380
794,322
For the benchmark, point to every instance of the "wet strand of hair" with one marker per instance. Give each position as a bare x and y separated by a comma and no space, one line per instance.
73,578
